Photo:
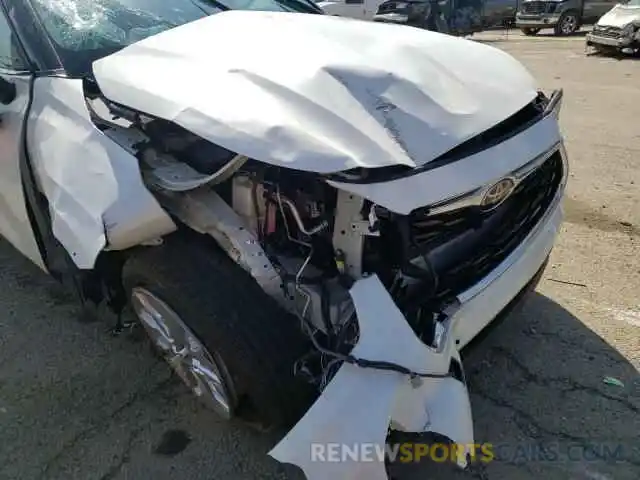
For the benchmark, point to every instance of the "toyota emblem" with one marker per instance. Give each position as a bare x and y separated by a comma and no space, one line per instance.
497,193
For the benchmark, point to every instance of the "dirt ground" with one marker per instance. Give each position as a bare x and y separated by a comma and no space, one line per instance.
76,403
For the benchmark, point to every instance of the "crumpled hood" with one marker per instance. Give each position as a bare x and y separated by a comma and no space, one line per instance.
619,16
318,93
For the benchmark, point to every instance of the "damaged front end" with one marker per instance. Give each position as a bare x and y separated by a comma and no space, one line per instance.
377,320
617,30
377,290
390,379
394,214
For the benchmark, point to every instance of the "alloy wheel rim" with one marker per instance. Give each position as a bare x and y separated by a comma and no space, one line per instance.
183,351
569,24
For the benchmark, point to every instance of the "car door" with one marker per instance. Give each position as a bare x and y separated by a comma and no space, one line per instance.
15,81
497,12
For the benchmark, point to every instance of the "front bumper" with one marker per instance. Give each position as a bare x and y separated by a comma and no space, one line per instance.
488,300
537,21
483,302
595,39
512,307
359,405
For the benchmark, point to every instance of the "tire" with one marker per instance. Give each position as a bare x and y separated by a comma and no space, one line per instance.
568,24
530,32
256,341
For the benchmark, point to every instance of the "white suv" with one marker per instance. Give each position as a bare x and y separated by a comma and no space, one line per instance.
305,213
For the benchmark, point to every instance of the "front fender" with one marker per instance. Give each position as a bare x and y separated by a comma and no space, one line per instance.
95,191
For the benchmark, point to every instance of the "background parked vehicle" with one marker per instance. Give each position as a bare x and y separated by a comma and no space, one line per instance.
618,29
458,17
565,17
497,13
362,9
485,13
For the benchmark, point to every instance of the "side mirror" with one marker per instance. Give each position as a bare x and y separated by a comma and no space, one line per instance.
7,92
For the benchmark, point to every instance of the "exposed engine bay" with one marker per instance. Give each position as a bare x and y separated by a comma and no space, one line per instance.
312,240
318,239
383,293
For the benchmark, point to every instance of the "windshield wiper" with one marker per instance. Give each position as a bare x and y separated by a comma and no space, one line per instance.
304,4
216,4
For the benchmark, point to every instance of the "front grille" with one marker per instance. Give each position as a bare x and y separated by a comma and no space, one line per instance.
609,32
513,220
534,7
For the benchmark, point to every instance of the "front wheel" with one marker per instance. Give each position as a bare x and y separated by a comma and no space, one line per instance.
568,24
228,341
529,32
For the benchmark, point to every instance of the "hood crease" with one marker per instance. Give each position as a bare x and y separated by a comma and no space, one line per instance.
318,93
620,16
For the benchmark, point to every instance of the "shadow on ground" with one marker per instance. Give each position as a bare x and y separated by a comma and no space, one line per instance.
515,34
549,33
539,397
629,56
77,403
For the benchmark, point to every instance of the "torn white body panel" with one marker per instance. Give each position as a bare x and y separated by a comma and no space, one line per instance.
318,93
358,405
620,15
354,410
438,405
93,185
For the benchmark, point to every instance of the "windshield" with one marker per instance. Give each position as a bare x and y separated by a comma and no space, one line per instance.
86,30
633,3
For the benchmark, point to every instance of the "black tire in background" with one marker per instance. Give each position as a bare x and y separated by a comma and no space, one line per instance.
230,314
529,32
570,17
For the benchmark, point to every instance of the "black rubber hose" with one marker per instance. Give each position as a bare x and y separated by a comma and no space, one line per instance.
375,364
